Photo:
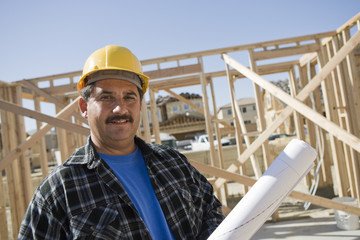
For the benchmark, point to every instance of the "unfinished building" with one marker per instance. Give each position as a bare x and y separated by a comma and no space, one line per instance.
330,60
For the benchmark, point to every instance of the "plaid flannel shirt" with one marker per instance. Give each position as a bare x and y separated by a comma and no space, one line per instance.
83,199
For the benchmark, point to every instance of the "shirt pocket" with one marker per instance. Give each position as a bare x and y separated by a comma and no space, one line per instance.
101,222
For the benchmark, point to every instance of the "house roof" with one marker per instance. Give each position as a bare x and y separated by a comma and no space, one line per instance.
241,102
168,99
182,118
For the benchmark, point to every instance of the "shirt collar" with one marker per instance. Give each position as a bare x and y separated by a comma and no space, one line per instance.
88,155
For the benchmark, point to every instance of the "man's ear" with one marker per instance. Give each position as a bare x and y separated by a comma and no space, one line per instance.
83,107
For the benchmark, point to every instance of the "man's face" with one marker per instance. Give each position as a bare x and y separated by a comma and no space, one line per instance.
113,113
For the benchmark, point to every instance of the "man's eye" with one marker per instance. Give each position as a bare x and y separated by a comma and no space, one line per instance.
105,97
130,97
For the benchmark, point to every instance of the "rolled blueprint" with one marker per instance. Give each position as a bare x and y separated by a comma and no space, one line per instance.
292,164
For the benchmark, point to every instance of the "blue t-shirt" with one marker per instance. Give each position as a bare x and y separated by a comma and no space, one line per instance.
132,173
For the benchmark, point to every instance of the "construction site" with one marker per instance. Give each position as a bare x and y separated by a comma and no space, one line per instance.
322,108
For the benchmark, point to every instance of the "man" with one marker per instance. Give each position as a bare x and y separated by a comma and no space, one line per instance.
117,186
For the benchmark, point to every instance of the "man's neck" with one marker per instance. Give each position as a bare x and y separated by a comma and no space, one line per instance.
118,148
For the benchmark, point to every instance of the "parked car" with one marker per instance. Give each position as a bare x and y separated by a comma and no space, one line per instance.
166,139
201,142
280,135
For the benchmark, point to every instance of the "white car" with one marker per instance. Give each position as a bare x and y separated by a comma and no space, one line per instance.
202,142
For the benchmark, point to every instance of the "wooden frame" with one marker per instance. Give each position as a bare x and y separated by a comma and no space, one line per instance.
333,53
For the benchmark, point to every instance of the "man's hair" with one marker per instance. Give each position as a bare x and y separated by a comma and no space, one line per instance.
87,90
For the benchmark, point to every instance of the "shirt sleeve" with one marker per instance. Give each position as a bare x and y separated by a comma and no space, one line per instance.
39,222
211,207
212,210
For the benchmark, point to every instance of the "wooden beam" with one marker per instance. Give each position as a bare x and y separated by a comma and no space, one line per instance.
275,67
350,23
174,82
175,71
145,122
237,48
303,94
187,101
340,133
240,127
183,129
4,234
10,107
62,89
41,93
248,181
47,94
260,110
25,169
284,52
208,122
200,110
154,117
22,148
42,144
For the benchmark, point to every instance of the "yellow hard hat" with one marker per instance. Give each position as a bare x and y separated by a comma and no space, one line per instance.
113,57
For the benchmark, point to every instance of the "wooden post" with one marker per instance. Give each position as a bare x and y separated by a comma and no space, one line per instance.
154,117
262,122
343,112
4,234
337,153
61,138
25,171
298,119
220,163
13,172
145,122
353,87
317,137
217,128
238,133
209,127
303,109
260,111
322,134
80,138
42,145
22,148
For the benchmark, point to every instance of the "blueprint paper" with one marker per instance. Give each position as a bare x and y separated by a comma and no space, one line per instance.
292,164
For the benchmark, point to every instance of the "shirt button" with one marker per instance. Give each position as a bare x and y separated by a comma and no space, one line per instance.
92,228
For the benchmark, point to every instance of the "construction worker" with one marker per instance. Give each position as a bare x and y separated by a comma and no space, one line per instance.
117,186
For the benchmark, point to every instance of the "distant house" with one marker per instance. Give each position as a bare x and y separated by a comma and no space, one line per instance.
248,111
170,106
178,118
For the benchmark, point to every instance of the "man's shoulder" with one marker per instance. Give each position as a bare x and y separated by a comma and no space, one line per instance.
79,156
75,167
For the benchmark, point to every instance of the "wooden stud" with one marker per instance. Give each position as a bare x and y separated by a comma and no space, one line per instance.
42,144
316,200
22,148
331,114
154,117
145,122
209,127
303,94
260,111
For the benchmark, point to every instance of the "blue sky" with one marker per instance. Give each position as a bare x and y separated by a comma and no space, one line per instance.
40,38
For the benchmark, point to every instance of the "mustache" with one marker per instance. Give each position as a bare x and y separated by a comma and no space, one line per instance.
119,117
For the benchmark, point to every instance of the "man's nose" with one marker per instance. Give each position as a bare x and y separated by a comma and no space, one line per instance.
119,107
